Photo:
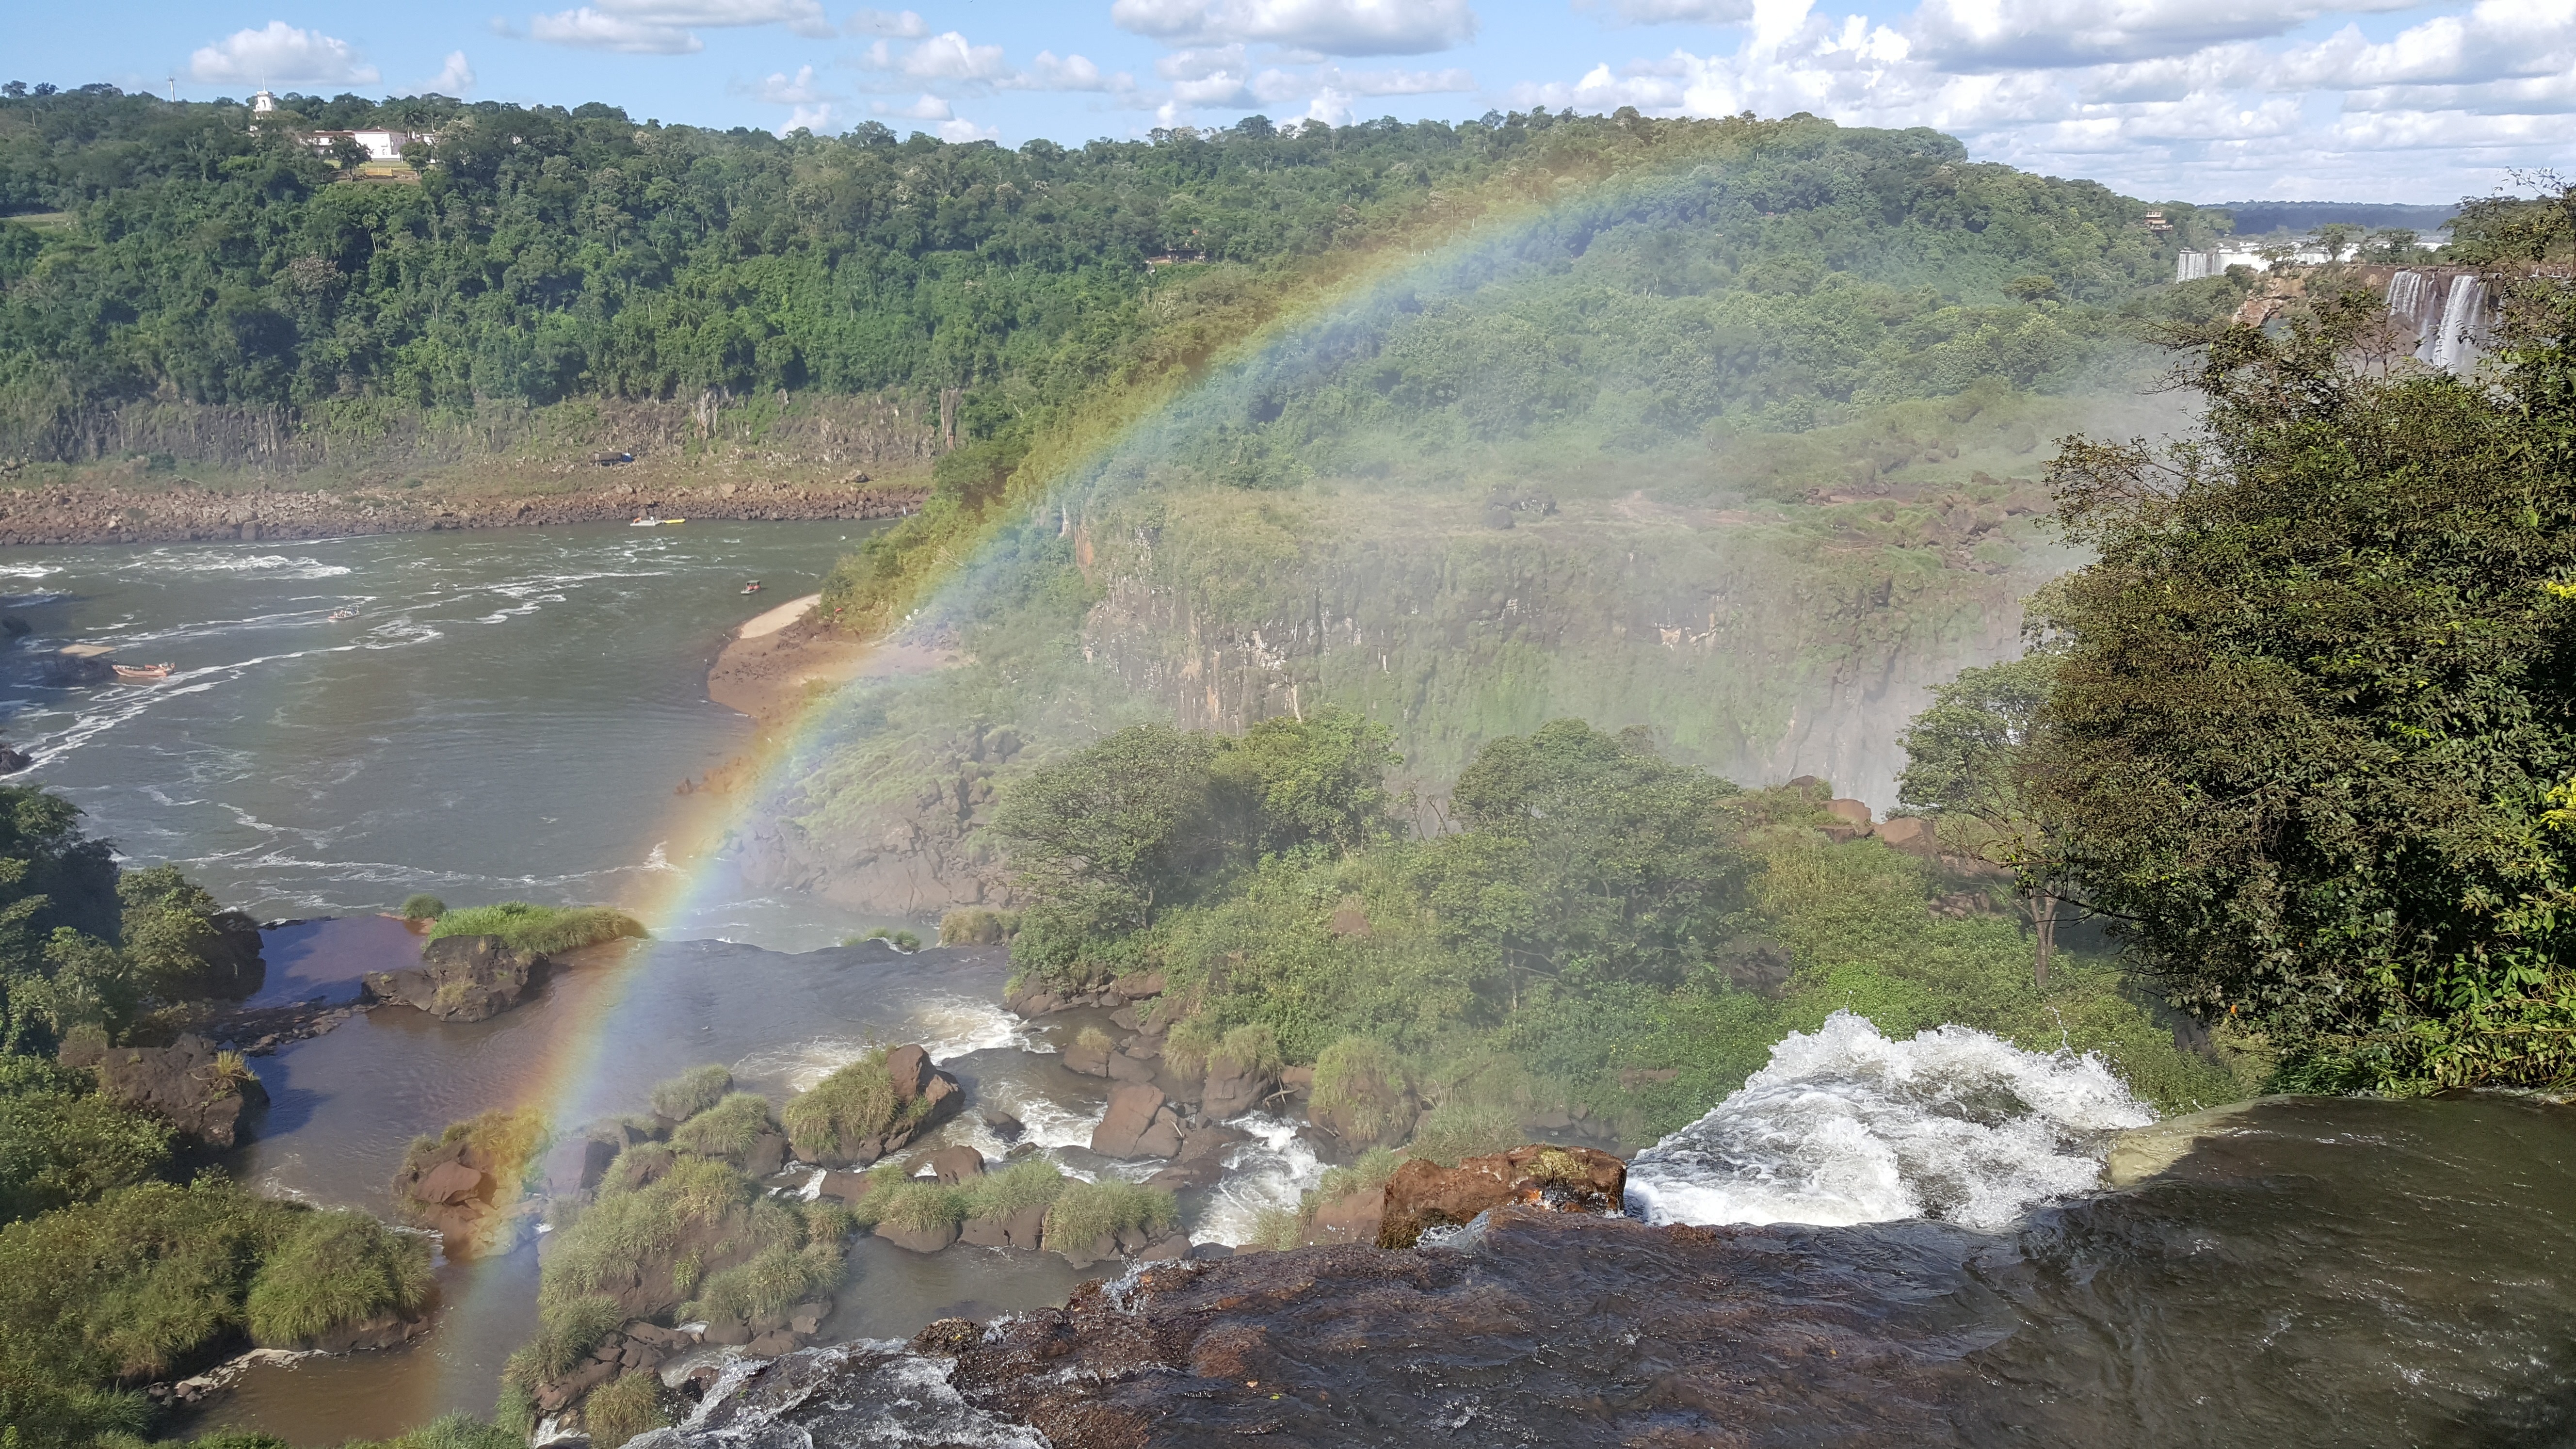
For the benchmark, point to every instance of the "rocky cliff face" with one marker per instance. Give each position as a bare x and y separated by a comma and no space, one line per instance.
1756,654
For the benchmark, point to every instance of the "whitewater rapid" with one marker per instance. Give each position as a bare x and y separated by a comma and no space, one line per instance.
1846,1126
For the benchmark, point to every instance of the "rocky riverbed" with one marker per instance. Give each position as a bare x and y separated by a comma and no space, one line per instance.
184,514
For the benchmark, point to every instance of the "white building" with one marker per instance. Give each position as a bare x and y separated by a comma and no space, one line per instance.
381,145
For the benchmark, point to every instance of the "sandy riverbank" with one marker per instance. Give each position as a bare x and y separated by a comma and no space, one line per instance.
777,659
71,514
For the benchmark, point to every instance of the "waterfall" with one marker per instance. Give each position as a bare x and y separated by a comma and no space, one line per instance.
2460,332
2406,294
2192,266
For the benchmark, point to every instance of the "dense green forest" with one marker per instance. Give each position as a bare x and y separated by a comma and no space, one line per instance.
179,251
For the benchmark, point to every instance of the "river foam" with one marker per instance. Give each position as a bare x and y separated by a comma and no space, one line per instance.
1846,1126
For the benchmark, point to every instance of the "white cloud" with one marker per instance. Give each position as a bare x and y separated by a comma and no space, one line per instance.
928,108
1072,73
951,57
961,130
662,27
816,118
281,54
1399,82
1324,27
903,25
1704,12
454,78
781,89
802,17
591,29
2006,34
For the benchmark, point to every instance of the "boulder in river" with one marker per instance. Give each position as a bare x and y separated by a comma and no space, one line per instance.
957,1164
928,1239
1138,1124
1424,1195
461,978
189,1084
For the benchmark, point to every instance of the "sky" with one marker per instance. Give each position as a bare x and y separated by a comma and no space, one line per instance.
2192,100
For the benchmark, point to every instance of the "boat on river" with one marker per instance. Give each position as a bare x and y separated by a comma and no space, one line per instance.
752,588
338,615
649,522
143,673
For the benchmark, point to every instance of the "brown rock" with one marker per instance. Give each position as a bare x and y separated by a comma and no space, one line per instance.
954,1165
1231,1092
1132,1112
806,1319
450,1182
1424,1195
767,1155
1138,986
1125,1068
773,1344
910,1068
845,1187
1023,1229
919,1240
182,1083
985,1232
461,978
1091,1061
1911,834
1163,1138
1354,1217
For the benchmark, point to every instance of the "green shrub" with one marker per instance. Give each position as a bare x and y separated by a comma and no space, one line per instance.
423,908
1362,1089
336,1268
569,1329
609,1244
844,1109
1368,1174
1091,1038
780,1277
1085,1212
135,1283
1034,1182
1459,1129
61,1142
622,1408
450,1431
883,1180
691,1092
915,1205
1247,1051
1187,1046
539,929
729,1129
900,940
976,926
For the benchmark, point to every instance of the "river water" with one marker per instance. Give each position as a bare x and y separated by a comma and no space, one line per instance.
505,716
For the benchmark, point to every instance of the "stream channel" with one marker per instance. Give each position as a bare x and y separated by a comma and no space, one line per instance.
506,716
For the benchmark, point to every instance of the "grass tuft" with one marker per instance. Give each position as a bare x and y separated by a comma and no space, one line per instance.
691,1092
844,1109
423,908
1458,1129
336,1268
729,1129
539,929
624,1407
1033,1183
1085,1212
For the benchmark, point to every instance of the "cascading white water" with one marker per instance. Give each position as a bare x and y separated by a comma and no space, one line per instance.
1845,1126
2406,297
2460,332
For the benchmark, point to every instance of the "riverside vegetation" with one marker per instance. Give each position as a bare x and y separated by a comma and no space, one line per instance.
117,1266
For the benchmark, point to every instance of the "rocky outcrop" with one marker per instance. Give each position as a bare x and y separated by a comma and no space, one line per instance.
1235,1088
1035,997
1200,1162
1424,1195
1138,1124
461,978
457,1190
189,1084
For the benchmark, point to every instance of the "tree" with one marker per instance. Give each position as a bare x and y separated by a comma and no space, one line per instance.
1590,856
1104,833
2312,734
1975,758
2338,237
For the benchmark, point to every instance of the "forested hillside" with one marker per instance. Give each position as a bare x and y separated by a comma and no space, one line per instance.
181,252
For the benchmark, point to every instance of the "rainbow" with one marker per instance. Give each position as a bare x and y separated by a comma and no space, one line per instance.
1449,248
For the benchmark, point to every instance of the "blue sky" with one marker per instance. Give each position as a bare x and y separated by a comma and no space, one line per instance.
2209,100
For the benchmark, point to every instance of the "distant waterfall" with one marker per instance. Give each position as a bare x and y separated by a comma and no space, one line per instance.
2450,324
2192,266
2462,332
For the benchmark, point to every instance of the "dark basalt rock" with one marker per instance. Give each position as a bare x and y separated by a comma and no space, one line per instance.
461,978
1137,1124
182,1083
